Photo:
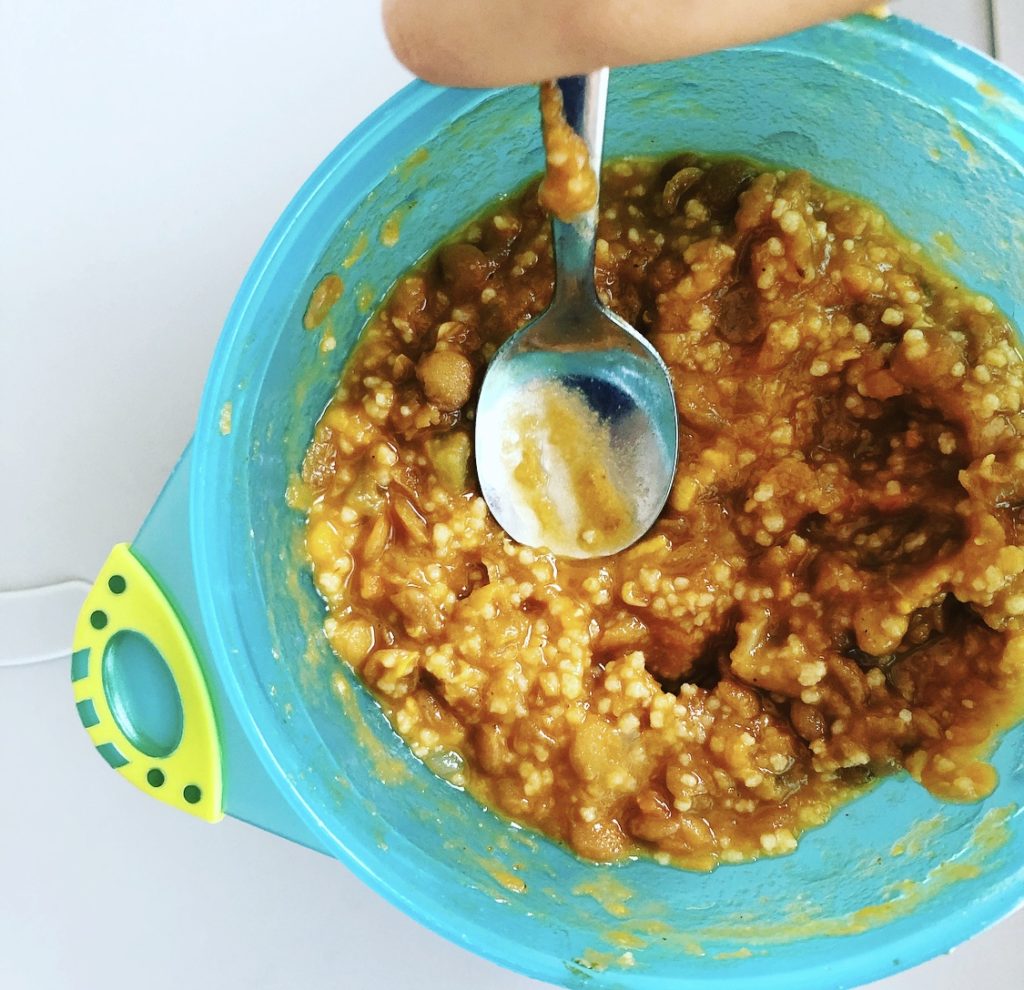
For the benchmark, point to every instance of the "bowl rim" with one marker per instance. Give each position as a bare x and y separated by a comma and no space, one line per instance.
222,625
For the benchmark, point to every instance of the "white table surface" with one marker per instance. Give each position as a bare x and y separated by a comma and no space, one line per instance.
145,151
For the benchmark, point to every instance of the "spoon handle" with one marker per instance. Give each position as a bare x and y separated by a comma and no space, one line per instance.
584,98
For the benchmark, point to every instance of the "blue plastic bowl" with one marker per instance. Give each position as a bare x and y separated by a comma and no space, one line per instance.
933,133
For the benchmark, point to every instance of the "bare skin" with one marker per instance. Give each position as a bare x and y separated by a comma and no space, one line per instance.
504,42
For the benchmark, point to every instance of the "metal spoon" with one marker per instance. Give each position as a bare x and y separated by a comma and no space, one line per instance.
576,425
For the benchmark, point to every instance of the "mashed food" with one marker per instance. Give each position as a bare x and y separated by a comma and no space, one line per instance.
834,591
569,185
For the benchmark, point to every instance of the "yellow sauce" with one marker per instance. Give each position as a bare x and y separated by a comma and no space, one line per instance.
599,961
364,298
610,893
413,162
387,767
917,838
562,476
946,243
392,227
326,293
358,250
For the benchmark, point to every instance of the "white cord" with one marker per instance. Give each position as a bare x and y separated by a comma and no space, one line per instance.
38,624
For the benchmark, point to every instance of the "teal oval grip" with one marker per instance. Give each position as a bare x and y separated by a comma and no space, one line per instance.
140,691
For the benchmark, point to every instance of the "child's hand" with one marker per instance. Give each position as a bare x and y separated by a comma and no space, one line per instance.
501,42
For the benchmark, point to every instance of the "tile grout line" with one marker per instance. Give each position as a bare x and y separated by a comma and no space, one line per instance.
993,36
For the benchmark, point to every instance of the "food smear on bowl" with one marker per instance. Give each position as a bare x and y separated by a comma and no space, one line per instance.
833,592
325,294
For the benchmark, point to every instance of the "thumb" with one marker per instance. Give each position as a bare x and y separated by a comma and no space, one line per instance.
503,42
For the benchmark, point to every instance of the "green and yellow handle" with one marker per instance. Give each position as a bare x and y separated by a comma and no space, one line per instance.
140,691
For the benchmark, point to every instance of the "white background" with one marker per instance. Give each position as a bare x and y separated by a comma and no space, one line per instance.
145,150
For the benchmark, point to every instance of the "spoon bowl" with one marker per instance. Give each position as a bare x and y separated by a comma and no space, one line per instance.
576,425
603,438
